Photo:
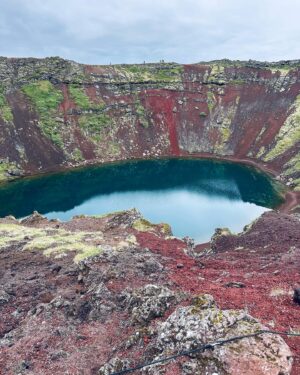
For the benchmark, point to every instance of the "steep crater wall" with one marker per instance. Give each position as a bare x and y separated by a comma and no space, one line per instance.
56,113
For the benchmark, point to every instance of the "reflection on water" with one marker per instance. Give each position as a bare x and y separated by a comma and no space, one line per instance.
194,196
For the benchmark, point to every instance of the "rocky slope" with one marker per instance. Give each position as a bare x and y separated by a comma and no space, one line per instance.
56,113
97,295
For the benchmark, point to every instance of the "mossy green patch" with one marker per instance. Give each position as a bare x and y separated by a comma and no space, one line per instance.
81,99
211,100
6,166
292,170
166,229
216,74
3,171
143,225
93,125
5,110
78,94
297,184
282,69
289,133
77,155
141,113
225,131
152,72
52,242
46,99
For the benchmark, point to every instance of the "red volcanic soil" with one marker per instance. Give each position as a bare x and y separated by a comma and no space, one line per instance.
61,317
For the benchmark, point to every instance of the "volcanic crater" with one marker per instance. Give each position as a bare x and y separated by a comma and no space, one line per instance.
100,294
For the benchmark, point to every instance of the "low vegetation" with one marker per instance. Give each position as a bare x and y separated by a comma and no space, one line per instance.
81,99
149,72
289,133
5,110
94,124
46,99
52,242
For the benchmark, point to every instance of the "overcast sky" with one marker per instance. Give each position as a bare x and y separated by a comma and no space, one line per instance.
127,31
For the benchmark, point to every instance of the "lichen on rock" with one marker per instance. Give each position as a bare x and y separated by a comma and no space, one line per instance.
289,133
149,302
192,326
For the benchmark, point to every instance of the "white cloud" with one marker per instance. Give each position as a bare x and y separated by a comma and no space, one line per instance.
98,31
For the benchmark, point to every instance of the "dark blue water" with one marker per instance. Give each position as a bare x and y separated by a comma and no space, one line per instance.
193,196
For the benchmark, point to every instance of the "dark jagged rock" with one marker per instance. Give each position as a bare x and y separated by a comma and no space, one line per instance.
296,297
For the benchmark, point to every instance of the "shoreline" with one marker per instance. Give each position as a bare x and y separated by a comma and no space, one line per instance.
291,197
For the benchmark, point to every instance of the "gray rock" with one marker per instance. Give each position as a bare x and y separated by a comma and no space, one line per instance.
149,302
203,322
114,365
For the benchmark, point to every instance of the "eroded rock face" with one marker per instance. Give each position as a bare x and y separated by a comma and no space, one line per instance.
57,113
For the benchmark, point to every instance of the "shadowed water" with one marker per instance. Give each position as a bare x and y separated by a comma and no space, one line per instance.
193,196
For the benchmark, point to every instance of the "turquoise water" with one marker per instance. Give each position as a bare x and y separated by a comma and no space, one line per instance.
193,196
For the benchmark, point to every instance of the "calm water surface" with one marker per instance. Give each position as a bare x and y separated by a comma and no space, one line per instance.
193,196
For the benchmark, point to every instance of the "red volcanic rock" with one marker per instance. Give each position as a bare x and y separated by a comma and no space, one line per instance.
244,111
97,295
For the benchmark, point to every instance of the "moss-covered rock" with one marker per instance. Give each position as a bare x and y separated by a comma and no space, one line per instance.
52,242
94,124
289,133
5,110
45,99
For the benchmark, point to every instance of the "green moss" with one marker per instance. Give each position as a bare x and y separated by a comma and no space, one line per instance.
236,82
87,252
225,128
81,249
5,110
289,133
46,99
261,152
152,72
11,233
202,114
166,229
143,225
282,69
6,166
77,155
297,184
292,166
78,94
141,113
292,170
52,242
216,73
211,100
3,171
81,99
94,124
